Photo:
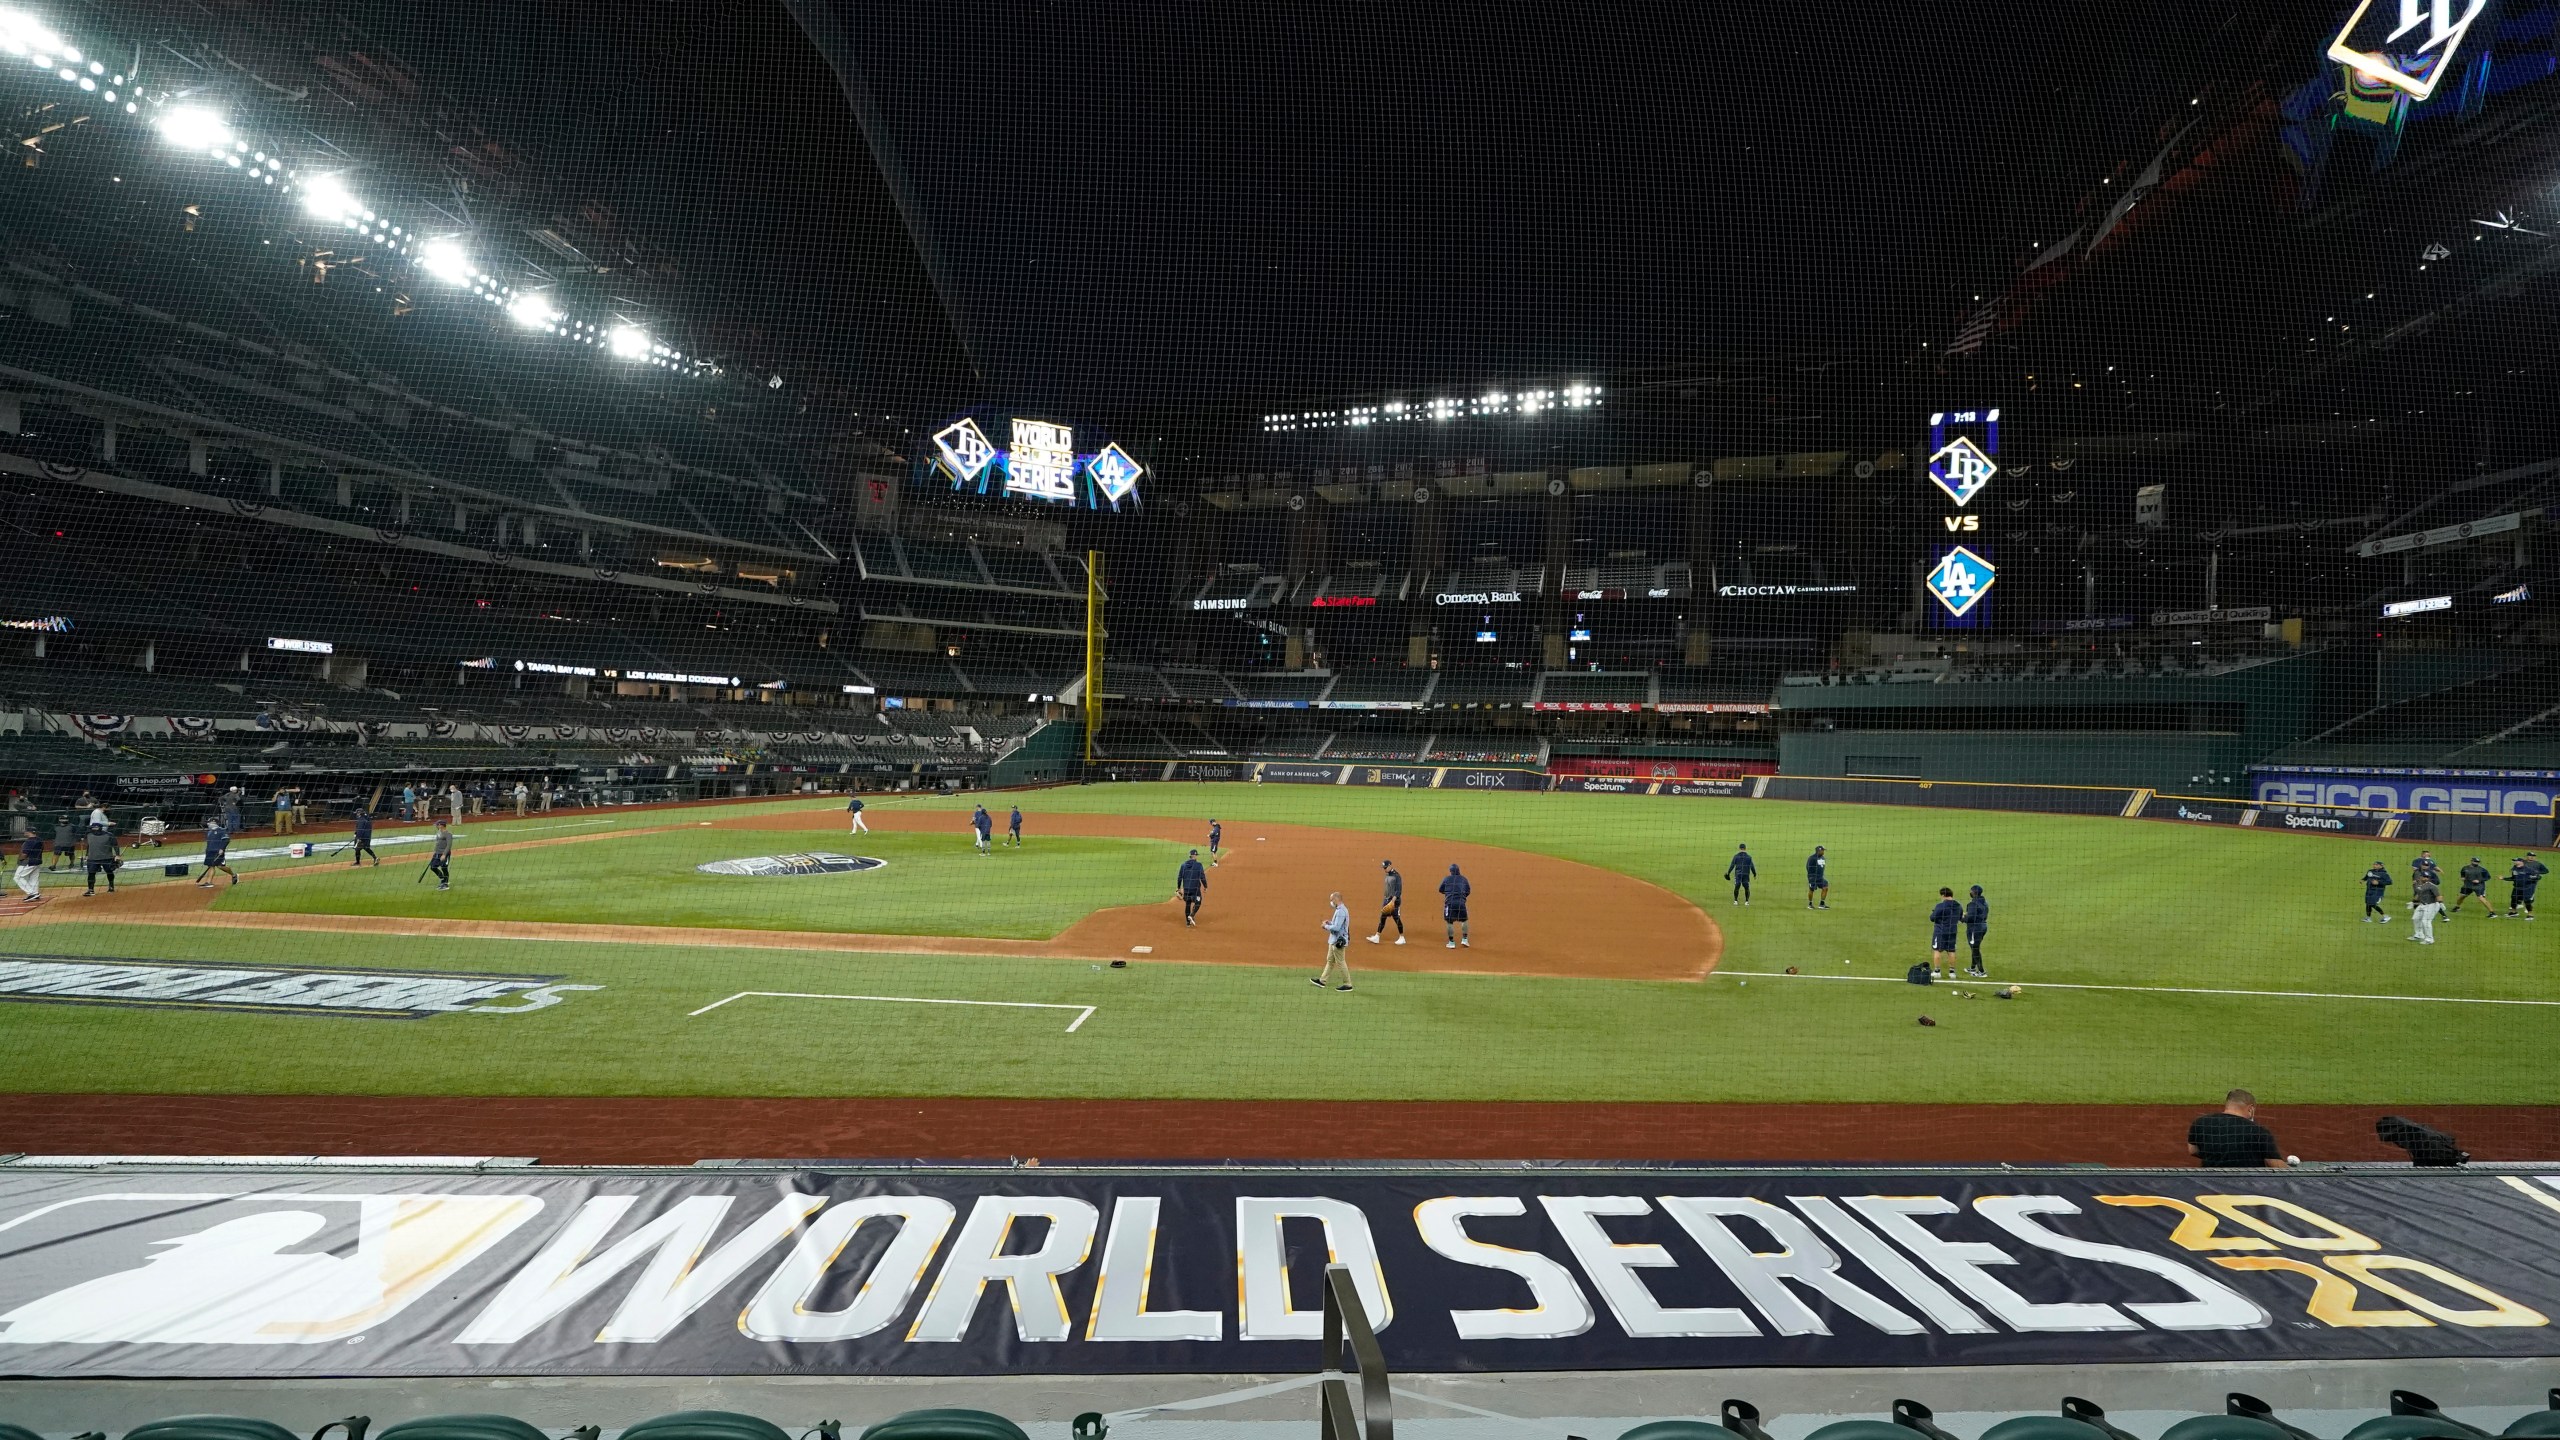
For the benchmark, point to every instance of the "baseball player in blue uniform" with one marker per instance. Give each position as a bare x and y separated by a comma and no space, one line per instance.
1977,923
2523,878
217,850
1014,825
1454,890
1739,870
1191,885
1216,834
1943,919
2376,880
363,845
985,825
853,808
1817,879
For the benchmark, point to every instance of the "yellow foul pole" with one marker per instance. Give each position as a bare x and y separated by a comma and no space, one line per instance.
1092,651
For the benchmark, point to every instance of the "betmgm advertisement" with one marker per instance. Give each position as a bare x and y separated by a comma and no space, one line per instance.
1963,459
203,1273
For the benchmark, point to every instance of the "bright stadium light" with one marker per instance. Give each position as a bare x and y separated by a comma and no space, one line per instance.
533,310
193,127
627,342
326,196
446,259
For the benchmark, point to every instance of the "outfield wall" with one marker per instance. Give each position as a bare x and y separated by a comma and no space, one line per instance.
2442,826
495,1268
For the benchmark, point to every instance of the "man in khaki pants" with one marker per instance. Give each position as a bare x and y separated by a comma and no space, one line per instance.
1337,941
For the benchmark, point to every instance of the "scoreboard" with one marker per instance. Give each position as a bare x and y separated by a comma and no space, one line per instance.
1963,451
1037,461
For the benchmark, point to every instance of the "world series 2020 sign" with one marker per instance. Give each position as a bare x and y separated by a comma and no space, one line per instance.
1039,461
176,1274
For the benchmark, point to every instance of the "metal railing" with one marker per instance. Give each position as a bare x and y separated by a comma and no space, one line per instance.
1345,1319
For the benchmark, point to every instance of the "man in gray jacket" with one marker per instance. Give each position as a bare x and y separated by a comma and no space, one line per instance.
1391,905
104,857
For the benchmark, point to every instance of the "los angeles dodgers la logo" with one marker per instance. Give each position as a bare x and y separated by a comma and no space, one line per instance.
1960,580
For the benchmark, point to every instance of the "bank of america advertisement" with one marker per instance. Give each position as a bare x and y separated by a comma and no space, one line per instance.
229,1274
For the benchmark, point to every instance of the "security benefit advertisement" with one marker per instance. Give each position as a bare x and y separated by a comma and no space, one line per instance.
220,1273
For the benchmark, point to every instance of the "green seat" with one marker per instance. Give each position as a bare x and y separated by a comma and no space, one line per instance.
1860,1430
2414,1417
2043,1427
945,1425
1678,1430
209,1427
2225,1427
706,1425
2537,1424
462,1427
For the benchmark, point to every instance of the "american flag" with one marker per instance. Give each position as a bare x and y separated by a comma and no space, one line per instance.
1976,330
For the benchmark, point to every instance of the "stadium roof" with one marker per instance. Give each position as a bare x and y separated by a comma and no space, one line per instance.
1130,205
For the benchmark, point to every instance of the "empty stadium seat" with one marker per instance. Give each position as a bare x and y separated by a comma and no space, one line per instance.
1909,1416
2537,1424
473,1427
945,1425
237,1427
706,1425
2413,1417
1738,1418
2243,1417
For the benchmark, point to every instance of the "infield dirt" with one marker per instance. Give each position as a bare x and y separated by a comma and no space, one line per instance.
1532,914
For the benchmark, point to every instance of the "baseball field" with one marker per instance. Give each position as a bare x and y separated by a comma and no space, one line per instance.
1609,967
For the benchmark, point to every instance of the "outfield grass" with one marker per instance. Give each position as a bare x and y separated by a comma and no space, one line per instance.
933,884
2075,900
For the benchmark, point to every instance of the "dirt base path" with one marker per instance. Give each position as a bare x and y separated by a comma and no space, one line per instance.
1533,914
676,1131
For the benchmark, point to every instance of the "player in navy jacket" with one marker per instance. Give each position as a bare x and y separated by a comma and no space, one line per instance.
1739,870
1454,891
1977,923
1943,919
1191,885
2376,880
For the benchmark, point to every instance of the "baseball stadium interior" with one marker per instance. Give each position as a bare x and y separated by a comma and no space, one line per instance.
911,575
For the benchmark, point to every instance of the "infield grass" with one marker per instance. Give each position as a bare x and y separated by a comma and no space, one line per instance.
2098,901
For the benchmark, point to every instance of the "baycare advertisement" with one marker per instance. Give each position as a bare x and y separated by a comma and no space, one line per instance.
167,1274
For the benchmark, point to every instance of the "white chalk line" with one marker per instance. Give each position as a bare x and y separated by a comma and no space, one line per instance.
2157,989
1072,1026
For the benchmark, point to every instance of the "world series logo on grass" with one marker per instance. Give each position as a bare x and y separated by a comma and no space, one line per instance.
815,862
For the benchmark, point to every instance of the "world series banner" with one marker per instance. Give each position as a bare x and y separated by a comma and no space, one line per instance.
918,1273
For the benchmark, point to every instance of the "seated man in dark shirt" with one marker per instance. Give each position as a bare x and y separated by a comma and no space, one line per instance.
2233,1139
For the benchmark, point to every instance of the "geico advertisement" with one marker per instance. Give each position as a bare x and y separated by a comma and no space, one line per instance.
170,1274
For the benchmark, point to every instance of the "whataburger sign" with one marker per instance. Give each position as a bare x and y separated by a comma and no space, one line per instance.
172,1274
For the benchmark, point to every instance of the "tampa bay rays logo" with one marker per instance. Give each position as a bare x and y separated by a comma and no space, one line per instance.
1961,469
1960,580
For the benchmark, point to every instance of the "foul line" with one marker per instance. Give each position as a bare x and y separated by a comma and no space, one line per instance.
1072,1026
2162,989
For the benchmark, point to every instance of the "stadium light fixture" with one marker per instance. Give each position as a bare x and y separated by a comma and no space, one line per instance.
445,258
533,310
193,127
327,197
627,342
